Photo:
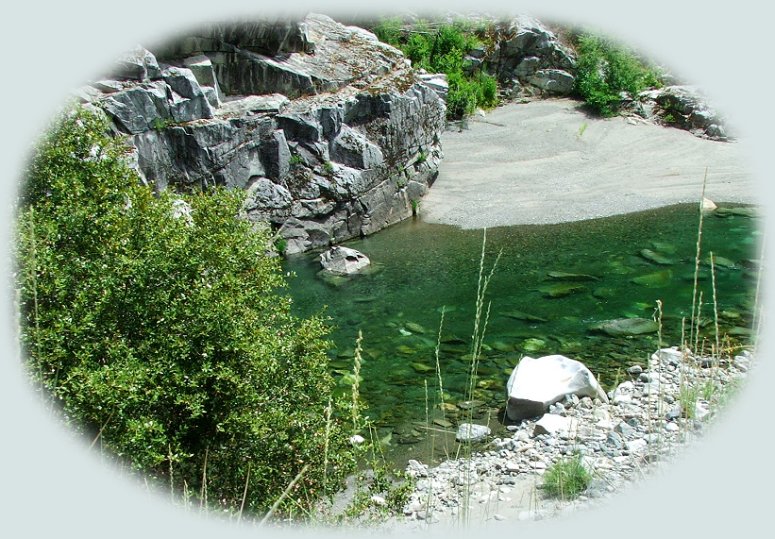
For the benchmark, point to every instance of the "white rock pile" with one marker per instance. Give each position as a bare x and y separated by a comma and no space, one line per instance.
649,416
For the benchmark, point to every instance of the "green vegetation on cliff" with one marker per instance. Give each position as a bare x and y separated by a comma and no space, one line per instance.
604,70
442,49
158,325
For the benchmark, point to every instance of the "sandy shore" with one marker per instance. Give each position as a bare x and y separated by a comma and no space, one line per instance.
548,162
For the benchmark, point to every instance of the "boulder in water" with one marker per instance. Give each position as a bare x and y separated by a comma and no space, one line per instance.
343,260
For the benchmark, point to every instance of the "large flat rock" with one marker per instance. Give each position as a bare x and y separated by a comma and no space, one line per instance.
548,162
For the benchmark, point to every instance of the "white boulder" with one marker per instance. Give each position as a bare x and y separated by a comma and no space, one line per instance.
343,260
470,432
537,383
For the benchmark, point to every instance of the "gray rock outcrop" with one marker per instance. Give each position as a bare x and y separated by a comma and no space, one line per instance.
330,133
683,107
529,59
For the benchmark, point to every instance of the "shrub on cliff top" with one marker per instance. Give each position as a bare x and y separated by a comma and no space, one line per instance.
442,49
167,337
605,70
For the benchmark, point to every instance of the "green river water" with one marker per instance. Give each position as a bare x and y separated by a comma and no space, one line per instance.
619,267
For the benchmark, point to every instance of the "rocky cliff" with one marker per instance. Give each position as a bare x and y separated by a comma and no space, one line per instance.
330,133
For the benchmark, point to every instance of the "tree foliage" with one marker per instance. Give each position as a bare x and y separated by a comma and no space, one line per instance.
158,323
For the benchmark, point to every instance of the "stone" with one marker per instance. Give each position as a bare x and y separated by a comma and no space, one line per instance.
534,384
708,205
202,68
657,279
635,370
276,155
615,440
354,150
188,102
271,198
182,210
637,445
668,356
625,429
624,327
343,260
140,108
555,425
470,432
253,104
436,82
623,392
357,439
137,64
553,81
656,258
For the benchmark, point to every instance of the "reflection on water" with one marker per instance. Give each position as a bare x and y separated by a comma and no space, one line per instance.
553,291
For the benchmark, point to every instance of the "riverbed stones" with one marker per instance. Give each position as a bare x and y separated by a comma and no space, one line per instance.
534,384
341,260
636,439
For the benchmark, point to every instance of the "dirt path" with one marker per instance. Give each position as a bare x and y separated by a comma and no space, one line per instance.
548,162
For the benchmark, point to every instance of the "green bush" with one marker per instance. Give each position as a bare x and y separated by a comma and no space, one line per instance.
442,50
169,337
605,70
566,478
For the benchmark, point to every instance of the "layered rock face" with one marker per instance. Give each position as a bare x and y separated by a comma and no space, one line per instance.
329,132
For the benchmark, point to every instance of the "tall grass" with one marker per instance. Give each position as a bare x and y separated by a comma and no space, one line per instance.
694,321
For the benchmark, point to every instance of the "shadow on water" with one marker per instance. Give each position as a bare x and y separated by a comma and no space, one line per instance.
554,284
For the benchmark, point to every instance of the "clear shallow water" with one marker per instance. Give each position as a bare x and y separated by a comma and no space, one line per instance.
424,268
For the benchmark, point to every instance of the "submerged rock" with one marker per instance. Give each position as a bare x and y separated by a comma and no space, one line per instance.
739,211
560,290
623,327
657,258
565,276
537,383
526,317
343,261
657,279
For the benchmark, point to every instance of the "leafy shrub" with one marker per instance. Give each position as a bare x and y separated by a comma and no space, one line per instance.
566,478
389,31
605,70
442,50
169,337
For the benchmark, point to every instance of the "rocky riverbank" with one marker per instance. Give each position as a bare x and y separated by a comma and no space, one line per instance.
334,135
330,133
657,411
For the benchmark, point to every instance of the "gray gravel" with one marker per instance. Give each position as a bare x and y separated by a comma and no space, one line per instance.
548,162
